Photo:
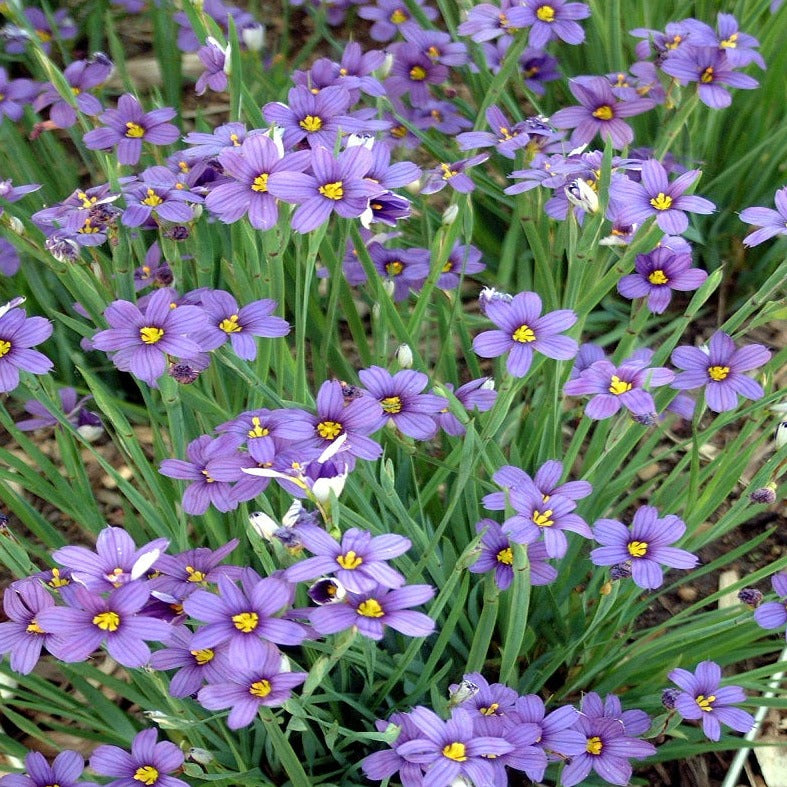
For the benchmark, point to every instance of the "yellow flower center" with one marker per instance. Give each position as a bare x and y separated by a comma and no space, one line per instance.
718,373
524,334
311,123
87,228
332,190
543,520
398,16
57,581
329,430
107,621
394,268
370,608
257,429
208,479
44,36
235,141
230,325
545,13
146,774
448,173
203,656
621,81
505,133
447,267
604,112
260,688
661,201
87,202
729,43
392,404
246,621
417,73
260,183
618,386
134,130
706,703
707,76
455,751
183,167
594,745
152,199
193,575
399,132
349,560
5,347
34,628
506,556
674,43
637,548
433,52
658,277
150,334
491,710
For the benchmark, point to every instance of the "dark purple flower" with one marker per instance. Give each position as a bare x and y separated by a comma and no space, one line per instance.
15,94
81,76
150,762
657,274
411,74
91,620
249,167
402,402
338,184
710,69
476,395
140,341
773,614
253,683
371,611
244,618
772,222
18,333
703,698
453,175
116,561
607,752
157,191
550,20
645,546
635,722
128,126
21,635
64,771
600,113
654,195
389,16
720,371
613,387
522,330
359,561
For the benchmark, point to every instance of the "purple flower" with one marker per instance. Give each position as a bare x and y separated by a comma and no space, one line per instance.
359,561
116,561
773,222
655,196
437,46
128,126
600,113
475,395
720,370
148,763
613,387
645,547
141,340
371,611
550,20
252,684
772,614
21,635
607,752
64,771
90,620
207,146
402,402
214,58
17,38
82,419
389,16
521,330
452,175
157,191
406,269
506,137
244,618
546,481
212,466
449,749
491,700
249,167
265,431
18,333
14,95
557,733
657,274
703,698
635,722
227,322
412,72
710,69
338,184
737,46
486,21
81,76
153,271
384,764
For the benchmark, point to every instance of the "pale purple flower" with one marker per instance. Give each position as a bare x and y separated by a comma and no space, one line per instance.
206,146
265,431
153,270
738,47
81,76
550,20
546,481
411,74
635,722
772,222
214,58
64,30
506,137
720,371
150,762
773,614
359,560
128,126
437,46
453,175
384,764
646,546
703,698
657,274
402,401
522,330
389,16
475,395
486,21
18,334
557,733
65,771
406,269
21,635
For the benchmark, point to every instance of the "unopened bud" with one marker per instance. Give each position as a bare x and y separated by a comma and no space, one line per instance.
15,225
781,435
668,698
766,494
200,756
450,214
488,384
326,591
253,37
462,692
360,139
580,193
263,525
751,597
385,69
404,356
489,294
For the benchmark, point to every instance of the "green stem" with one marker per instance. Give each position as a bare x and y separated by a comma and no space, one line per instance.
283,748
485,626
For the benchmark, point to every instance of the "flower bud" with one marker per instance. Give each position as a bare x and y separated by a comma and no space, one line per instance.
620,571
253,37
183,373
488,384
61,248
766,494
263,525
462,692
404,356
326,591
200,756
489,294
360,139
781,435
450,214
15,225
385,69
668,697
751,597
580,193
